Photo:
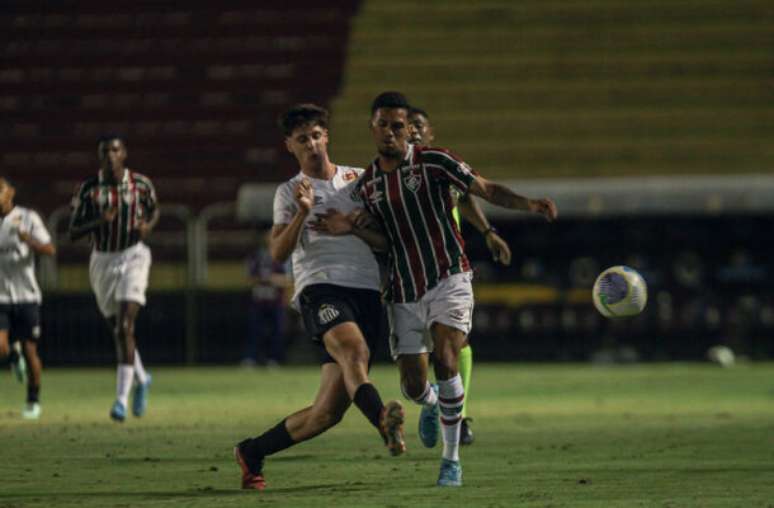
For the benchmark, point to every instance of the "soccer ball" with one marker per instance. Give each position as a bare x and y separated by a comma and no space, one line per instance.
620,292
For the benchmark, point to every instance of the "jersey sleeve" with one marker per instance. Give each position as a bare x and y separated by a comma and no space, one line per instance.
37,229
148,199
285,206
449,167
82,208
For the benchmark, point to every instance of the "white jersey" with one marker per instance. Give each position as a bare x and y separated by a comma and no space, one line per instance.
324,259
17,259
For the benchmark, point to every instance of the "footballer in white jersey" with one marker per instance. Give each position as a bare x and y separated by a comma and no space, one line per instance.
22,236
337,293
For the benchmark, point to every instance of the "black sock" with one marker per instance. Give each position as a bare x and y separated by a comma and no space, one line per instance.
33,394
272,441
368,401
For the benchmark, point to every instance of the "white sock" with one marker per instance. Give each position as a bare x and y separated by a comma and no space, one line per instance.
450,398
428,397
124,378
139,370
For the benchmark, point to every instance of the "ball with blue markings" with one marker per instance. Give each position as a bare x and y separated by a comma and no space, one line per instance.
620,291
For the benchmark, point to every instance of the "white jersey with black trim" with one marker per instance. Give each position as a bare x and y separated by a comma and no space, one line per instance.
17,260
323,259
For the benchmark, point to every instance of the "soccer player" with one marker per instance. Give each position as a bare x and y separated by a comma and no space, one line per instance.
118,209
336,290
421,133
22,235
407,189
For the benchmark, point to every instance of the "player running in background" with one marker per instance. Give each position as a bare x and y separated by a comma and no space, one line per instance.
421,133
22,235
336,290
118,209
407,189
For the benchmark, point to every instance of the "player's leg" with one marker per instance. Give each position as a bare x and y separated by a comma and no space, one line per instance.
35,370
410,345
346,344
8,350
450,310
451,395
466,368
329,406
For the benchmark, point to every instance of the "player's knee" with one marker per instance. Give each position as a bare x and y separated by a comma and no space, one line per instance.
328,418
412,387
358,355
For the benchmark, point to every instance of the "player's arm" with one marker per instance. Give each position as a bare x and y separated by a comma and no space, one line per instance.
146,227
500,195
358,223
285,237
471,211
44,249
85,218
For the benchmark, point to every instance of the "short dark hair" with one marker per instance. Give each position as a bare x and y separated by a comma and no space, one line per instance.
413,110
302,114
110,136
390,100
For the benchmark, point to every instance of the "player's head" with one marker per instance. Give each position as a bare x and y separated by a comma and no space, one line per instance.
111,151
7,193
389,124
305,127
420,130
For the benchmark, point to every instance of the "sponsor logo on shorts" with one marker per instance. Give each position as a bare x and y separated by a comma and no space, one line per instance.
327,313
36,332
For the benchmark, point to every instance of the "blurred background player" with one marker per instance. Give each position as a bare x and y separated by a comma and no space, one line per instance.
408,191
422,133
22,235
118,209
266,316
337,290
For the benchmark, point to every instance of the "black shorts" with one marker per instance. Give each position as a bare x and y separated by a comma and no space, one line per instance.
324,306
22,320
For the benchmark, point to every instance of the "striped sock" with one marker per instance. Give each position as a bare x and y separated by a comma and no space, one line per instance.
450,398
428,397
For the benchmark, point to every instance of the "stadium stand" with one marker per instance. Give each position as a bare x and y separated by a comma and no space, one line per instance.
194,87
565,88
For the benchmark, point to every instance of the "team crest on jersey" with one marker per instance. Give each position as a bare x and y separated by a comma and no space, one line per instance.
349,176
413,181
327,313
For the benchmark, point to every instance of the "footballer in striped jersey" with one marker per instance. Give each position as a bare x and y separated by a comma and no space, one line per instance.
408,191
117,209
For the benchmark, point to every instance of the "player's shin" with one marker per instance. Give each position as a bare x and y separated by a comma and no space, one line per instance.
450,398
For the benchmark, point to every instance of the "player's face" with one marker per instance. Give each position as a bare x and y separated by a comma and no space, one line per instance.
6,194
308,143
420,130
112,154
390,129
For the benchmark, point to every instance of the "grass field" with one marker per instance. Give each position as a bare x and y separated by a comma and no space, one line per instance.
656,435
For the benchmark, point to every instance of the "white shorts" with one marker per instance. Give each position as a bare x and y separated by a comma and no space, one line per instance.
449,303
119,277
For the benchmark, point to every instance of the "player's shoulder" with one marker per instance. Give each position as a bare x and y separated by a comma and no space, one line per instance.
435,154
88,183
140,178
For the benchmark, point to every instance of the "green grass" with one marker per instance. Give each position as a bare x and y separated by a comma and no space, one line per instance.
663,435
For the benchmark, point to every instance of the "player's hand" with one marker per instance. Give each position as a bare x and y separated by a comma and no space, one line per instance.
305,195
144,229
499,248
110,214
545,207
360,218
332,222
24,236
